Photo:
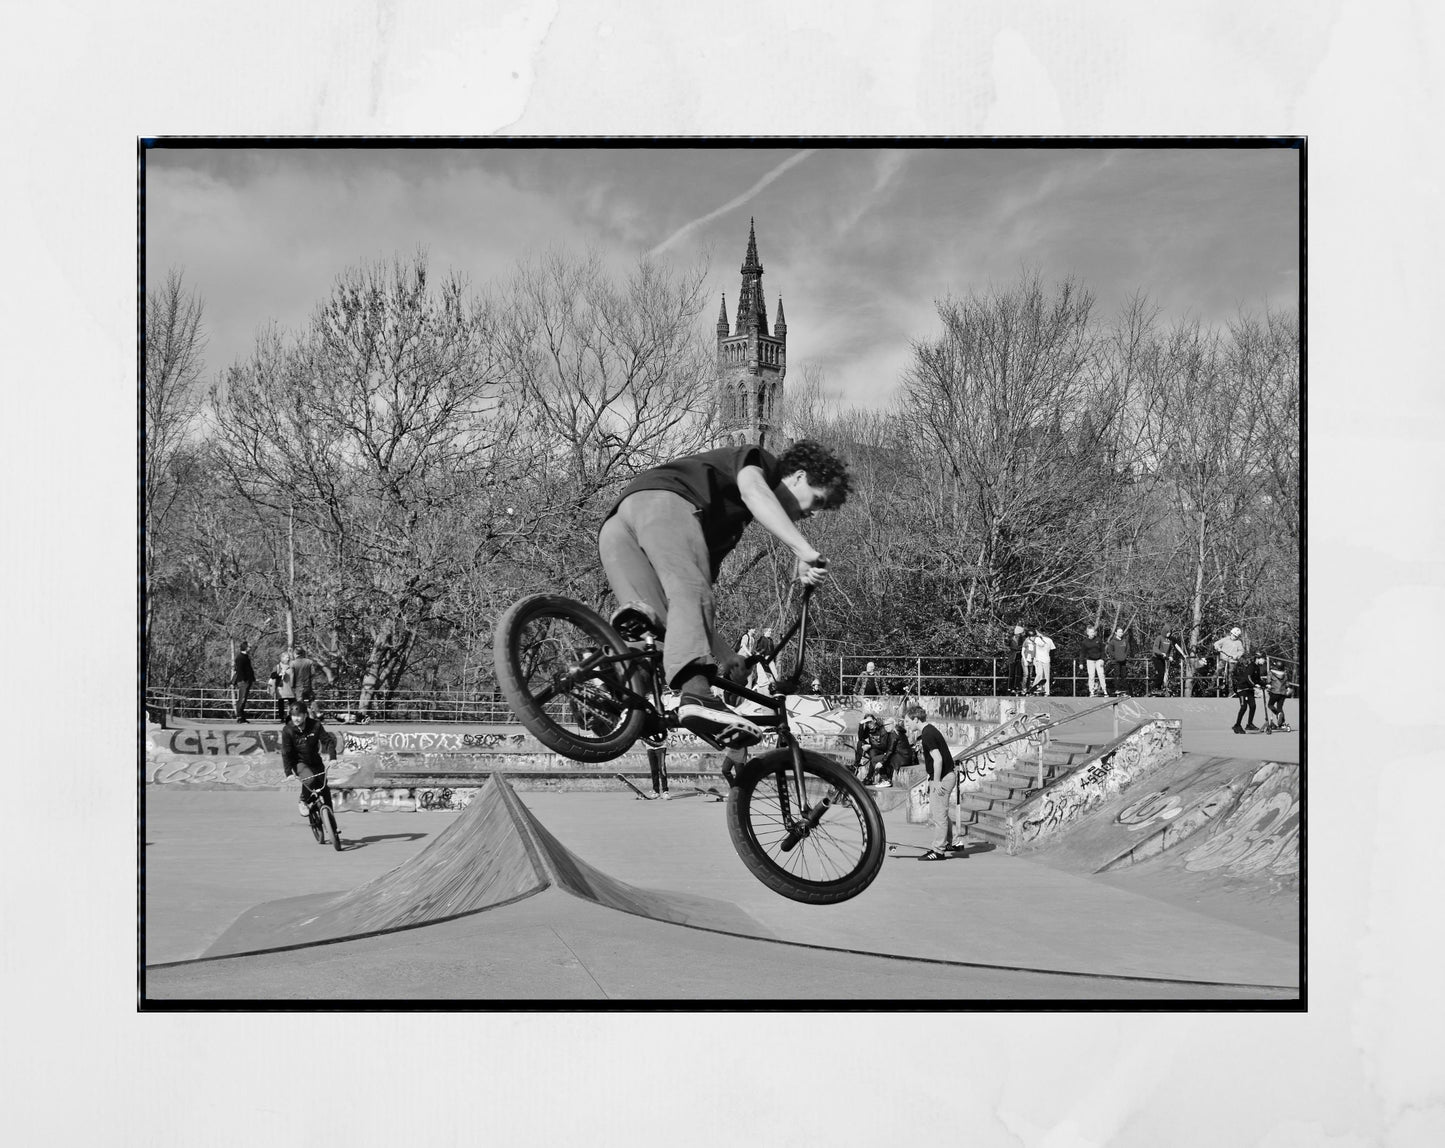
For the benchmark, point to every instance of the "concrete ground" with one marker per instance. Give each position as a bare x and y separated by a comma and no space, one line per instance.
1009,928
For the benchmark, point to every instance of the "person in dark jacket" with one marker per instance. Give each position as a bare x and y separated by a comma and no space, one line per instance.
243,677
1245,679
1016,661
1164,650
871,748
302,740
899,755
1116,649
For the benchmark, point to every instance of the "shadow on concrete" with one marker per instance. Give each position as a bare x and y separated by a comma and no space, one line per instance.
362,842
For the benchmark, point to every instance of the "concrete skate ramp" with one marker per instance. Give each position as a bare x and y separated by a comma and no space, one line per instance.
1201,814
495,853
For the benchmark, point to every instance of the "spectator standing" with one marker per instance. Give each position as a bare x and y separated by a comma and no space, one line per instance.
303,679
1164,650
1278,689
868,684
1093,651
1116,650
243,677
1230,649
1043,653
745,643
764,647
282,688
657,765
937,761
1028,656
1016,661
1245,679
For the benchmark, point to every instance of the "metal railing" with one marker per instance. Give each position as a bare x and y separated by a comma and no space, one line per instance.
986,677
989,677
413,706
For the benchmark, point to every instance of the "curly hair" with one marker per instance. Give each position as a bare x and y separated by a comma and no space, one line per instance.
824,469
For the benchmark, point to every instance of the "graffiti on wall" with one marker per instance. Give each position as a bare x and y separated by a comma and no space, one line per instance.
425,741
217,742
1157,806
1075,794
1261,833
192,769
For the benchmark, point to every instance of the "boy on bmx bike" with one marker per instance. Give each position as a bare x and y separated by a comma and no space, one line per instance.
664,539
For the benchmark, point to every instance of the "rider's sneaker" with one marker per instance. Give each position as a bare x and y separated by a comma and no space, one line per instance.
934,855
708,716
666,796
880,785
303,809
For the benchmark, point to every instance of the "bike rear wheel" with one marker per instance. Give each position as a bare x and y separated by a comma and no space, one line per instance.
537,648
822,846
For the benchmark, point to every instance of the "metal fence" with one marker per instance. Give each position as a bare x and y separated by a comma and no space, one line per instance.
441,706
960,676
965,675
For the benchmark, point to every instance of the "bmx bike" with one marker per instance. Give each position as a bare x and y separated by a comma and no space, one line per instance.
319,814
801,822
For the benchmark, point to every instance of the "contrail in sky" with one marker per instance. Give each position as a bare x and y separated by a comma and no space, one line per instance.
797,158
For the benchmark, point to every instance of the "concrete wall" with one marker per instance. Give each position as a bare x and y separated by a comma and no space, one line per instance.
1072,796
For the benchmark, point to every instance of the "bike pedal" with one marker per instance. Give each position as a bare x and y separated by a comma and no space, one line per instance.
633,624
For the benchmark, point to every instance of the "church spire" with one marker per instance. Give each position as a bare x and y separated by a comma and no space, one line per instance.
722,316
780,325
752,311
750,262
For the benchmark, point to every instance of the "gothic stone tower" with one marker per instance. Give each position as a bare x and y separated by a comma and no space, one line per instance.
750,362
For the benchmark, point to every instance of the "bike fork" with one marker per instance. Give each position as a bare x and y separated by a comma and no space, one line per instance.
797,830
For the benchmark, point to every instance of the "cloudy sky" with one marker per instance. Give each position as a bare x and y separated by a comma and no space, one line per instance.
858,242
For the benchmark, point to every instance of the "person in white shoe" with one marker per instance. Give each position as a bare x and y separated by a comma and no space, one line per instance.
1093,651
1043,651
937,761
663,541
302,740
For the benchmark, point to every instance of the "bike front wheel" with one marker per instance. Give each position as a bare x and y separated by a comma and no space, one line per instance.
331,827
821,845
318,827
538,649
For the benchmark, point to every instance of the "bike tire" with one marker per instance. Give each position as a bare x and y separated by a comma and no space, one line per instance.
548,632
331,825
318,829
836,860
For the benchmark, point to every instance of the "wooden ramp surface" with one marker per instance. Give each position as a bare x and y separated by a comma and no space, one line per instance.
495,853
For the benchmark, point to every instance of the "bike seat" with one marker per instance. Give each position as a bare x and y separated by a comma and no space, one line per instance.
634,621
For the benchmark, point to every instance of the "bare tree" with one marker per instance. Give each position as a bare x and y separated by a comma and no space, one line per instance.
381,431
174,344
611,377
1205,431
1000,398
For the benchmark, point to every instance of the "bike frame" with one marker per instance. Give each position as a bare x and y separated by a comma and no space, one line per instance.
651,656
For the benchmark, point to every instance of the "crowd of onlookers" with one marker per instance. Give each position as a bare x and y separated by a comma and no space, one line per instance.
1113,667
295,677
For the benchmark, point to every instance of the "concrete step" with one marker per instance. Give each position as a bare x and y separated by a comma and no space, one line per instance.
981,832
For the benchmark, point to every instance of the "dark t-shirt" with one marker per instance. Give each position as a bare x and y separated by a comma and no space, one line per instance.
242,670
1093,648
710,482
929,740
